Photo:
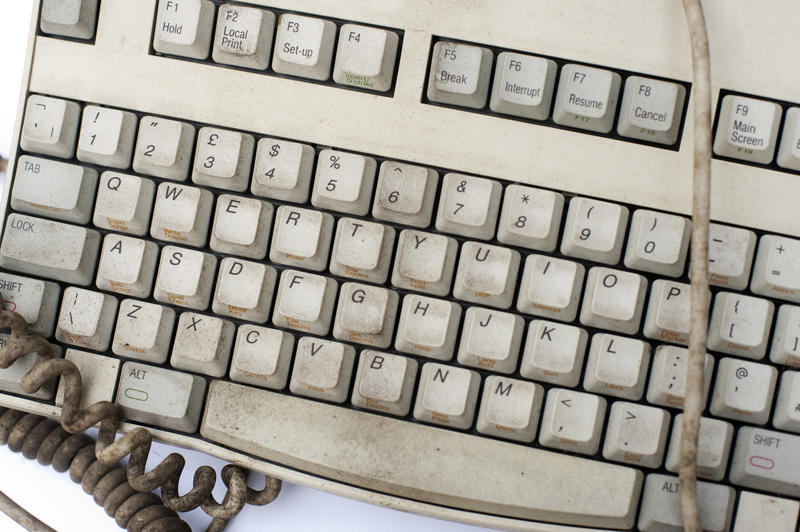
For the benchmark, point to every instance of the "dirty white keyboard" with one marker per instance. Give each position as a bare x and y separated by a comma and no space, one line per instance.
432,257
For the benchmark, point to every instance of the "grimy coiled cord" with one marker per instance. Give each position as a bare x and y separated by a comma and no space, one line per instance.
127,495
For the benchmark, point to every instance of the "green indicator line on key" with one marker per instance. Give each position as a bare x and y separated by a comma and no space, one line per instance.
137,395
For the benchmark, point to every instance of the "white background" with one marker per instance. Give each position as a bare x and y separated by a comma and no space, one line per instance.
55,499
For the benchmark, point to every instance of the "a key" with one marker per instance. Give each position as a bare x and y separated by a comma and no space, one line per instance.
713,447
384,382
98,375
362,250
365,57
11,377
262,356
282,170
185,277
428,327
241,226
202,344
54,189
586,98
343,182
748,129
106,137
161,397
424,262
490,340
468,206
223,159
304,46
144,331
786,338
740,325
523,85
49,249
636,434
459,74
124,203
613,300
766,460
763,512
447,395
365,315
658,243
244,290
651,110
530,217
661,510
50,126
572,421
405,194
486,274
789,151
550,287
668,313
36,301
594,230
668,376
86,318
164,148
554,353
743,391
304,302
184,28
322,369
510,408
181,214
730,255
244,36
301,238
69,18
787,408
127,265
777,269
617,366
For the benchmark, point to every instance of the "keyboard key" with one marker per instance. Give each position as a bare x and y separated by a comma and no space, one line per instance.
405,194
223,159
241,226
550,287
322,369
106,137
244,36
730,255
50,126
144,331
740,325
54,189
668,376
181,214
786,338
163,148
185,277
459,74
428,327
86,318
586,98
486,274
301,238
777,269
69,18
468,206
124,203
262,356
766,460
447,395
36,301
530,218
304,302
510,408
490,340
11,377
160,397
127,265
594,230
365,315
743,391
636,434
365,57
554,353
748,129
572,421
713,447
661,509
184,28
651,110
762,512
343,182
304,46
362,250
658,243
523,85
668,312
789,152
244,290
617,366
787,408
282,170
424,262
54,250
202,344
98,375
613,300
384,382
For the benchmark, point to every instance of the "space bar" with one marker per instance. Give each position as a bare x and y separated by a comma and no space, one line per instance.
421,462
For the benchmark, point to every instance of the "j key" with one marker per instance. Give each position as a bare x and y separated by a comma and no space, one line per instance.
740,325
50,126
490,339
124,203
54,189
184,28
384,382
510,408
106,137
144,331
163,148
447,395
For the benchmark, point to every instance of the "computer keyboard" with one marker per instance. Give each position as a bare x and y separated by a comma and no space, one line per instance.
432,257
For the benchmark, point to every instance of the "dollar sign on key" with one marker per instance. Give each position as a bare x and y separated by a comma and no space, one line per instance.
276,148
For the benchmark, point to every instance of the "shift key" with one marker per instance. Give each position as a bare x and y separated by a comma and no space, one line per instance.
767,460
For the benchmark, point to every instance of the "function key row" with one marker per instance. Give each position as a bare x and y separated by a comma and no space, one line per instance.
303,46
